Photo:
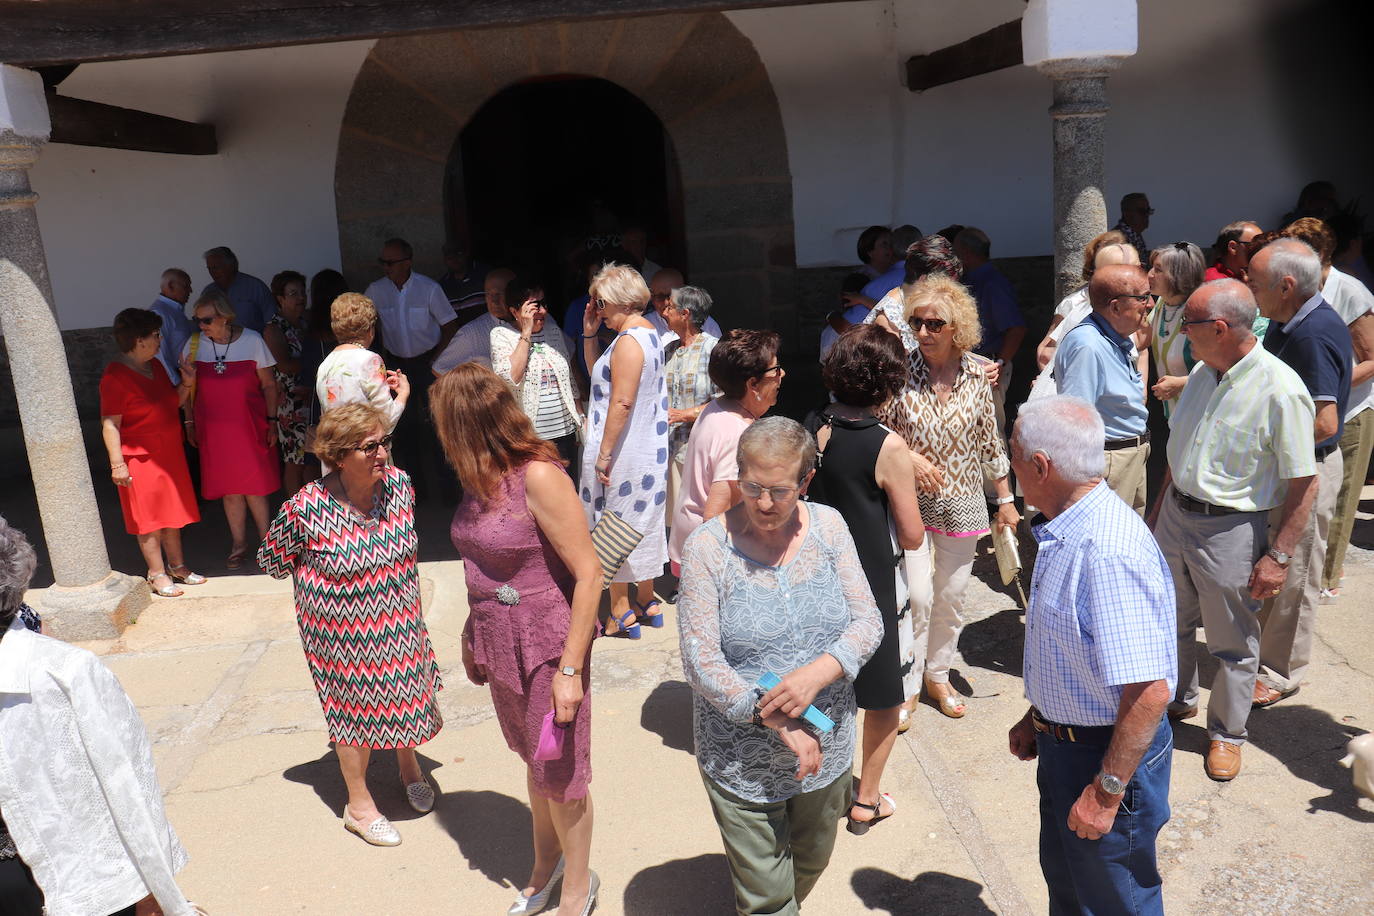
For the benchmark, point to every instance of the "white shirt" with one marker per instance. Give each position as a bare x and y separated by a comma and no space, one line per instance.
77,785
1351,299
666,336
412,315
472,344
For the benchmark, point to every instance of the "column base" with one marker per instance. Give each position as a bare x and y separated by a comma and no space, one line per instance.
100,610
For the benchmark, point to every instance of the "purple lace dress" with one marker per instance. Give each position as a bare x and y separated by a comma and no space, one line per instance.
518,594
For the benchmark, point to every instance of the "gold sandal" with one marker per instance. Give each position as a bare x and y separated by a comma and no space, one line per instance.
947,701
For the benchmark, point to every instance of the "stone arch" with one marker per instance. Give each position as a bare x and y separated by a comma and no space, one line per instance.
697,72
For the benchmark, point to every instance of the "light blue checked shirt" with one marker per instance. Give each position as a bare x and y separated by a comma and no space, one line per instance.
1101,612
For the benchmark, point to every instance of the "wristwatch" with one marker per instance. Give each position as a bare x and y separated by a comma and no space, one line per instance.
1110,784
1003,500
570,671
1279,557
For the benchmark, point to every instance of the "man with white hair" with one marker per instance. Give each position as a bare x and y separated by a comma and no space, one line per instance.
1307,334
170,306
254,305
1240,445
1099,669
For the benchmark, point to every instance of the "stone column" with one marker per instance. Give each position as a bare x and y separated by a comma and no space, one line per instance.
88,601
1079,113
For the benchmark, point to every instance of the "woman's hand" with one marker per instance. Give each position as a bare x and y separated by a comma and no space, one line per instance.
929,477
1007,516
797,689
120,475
1169,387
591,319
524,319
799,741
993,371
567,697
603,470
477,673
677,415
397,381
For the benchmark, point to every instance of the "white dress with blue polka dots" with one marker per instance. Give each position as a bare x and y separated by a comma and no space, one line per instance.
639,462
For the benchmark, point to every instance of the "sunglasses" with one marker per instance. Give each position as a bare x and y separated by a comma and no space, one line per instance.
204,321
933,325
370,448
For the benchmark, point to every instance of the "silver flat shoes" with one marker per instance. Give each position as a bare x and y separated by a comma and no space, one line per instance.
526,906
421,796
378,833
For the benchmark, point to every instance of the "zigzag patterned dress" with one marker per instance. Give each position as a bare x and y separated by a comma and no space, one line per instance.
358,608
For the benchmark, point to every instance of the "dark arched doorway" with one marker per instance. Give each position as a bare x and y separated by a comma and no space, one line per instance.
549,167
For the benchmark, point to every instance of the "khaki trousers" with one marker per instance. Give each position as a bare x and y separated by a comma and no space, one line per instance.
1286,620
1125,474
1357,442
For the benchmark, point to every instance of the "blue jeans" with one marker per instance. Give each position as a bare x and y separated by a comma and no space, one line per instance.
1118,873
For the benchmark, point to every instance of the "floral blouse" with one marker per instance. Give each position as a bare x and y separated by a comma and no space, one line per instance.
350,376
739,620
959,436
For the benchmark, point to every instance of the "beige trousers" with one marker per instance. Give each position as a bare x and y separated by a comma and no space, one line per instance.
1125,474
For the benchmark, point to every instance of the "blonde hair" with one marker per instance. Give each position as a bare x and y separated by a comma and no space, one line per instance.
352,317
213,297
620,286
343,429
952,302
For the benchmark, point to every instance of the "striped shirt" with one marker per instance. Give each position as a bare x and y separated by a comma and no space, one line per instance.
1101,612
689,383
1236,438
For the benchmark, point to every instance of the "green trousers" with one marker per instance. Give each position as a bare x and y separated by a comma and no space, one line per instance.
1357,441
777,850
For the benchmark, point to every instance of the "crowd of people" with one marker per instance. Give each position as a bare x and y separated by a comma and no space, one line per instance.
821,568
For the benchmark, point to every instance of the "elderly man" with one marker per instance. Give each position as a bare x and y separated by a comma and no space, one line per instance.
170,306
1240,445
1097,362
1232,251
1308,335
462,282
254,305
1135,219
1099,670
660,293
473,343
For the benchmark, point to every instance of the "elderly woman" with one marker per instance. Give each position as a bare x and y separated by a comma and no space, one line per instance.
534,356
690,388
625,454
285,335
1175,271
348,540
774,587
744,366
141,428
82,828
875,251
945,413
533,584
353,374
234,423
864,472
930,255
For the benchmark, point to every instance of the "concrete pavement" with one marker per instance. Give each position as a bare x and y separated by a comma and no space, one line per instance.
254,790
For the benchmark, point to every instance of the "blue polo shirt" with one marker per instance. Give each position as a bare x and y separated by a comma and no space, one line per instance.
997,308
1315,343
1095,363
254,305
886,283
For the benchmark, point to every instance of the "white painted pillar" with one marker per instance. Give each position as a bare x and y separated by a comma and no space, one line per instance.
88,600
1078,43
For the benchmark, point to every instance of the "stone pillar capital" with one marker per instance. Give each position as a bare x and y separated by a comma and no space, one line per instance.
1071,68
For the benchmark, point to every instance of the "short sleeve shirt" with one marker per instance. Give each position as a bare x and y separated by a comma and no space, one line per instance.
412,315
1315,343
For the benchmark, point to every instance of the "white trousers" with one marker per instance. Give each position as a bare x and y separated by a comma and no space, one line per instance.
938,575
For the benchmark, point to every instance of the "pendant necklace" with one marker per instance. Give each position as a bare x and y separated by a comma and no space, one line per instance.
219,357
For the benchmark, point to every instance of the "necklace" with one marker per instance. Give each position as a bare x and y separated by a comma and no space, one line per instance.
219,357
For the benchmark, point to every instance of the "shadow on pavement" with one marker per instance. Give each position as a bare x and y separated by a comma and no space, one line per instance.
995,643
1310,743
681,887
928,892
493,832
383,781
667,712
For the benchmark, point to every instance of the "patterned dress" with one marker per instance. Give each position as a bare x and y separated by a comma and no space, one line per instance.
358,608
293,411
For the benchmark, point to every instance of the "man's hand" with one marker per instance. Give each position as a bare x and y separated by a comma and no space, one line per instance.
1267,578
1021,739
1092,816
799,741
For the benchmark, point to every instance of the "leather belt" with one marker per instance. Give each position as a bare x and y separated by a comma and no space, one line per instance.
1325,450
1188,504
1077,734
1114,444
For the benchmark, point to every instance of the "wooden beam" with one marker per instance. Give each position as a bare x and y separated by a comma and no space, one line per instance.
84,123
55,32
995,49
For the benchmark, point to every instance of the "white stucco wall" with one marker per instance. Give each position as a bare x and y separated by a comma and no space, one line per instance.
112,220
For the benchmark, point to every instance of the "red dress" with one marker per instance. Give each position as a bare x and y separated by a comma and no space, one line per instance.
231,418
160,495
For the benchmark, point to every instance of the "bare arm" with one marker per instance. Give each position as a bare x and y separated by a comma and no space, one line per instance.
1362,338
446,332
1326,422
109,432
281,350
1045,351
558,512
723,495
895,475
626,363
1267,577
1011,342
1137,719
271,394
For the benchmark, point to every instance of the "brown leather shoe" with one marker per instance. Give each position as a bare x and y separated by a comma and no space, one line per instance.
1223,761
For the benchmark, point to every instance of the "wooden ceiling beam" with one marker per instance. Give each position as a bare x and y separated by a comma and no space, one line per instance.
84,123
995,49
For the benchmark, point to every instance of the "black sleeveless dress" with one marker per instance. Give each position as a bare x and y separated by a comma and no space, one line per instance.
845,480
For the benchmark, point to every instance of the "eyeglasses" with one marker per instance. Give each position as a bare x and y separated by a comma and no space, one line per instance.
206,320
1188,324
933,325
537,303
777,494
769,371
370,448
392,262
1138,298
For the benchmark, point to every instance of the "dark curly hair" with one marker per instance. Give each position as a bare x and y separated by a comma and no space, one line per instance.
866,367
132,325
741,355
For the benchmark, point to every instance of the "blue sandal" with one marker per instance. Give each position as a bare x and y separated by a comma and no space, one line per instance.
650,620
626,630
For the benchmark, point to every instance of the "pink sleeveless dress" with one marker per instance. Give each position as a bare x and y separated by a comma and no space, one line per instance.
518,594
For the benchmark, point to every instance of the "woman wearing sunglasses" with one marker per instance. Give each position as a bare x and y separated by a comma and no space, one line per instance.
945,413
234,420
348,540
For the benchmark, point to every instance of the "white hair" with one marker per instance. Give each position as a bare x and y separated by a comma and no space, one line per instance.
1067,431
1295,258
1231,301
777,438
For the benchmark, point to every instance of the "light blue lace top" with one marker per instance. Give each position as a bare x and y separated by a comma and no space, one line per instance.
738,620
